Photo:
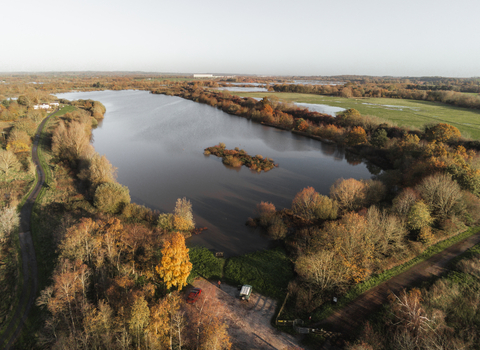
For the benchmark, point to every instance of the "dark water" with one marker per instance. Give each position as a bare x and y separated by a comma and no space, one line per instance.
157,144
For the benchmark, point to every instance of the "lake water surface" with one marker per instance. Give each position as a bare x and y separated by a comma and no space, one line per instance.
157,144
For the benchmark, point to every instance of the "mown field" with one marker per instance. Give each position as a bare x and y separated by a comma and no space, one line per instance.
401,112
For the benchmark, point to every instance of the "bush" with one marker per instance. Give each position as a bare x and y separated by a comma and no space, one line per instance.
165,221
136,213
277,228
375,191
111,197
379,138
471,204
266,212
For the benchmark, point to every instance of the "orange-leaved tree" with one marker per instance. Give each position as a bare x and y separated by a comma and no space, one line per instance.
357,136
175,265
442,132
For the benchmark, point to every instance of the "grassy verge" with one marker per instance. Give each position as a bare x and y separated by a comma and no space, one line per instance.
385,276
267,271
410,113
63,110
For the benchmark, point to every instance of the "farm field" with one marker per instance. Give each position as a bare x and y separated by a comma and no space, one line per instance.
401,112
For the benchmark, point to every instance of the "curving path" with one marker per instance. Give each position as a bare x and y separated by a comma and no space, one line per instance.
29,261
348,319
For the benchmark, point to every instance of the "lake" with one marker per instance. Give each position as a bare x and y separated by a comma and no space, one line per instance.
157,144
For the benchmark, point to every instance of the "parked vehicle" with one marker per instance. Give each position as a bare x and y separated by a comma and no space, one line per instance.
245,292
193,295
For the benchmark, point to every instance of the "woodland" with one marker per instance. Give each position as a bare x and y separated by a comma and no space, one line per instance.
112,271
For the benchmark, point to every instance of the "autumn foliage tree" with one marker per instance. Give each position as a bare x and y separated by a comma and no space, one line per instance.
311,205
97,170
111,197
183,216
357,136
442,132
350,194
419,216
70,141
175,265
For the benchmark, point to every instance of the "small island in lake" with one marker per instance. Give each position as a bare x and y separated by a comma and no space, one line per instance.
238,157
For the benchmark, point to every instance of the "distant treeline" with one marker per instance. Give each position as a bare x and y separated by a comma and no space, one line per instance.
446,90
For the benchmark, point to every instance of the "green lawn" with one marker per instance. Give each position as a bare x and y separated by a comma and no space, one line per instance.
402,112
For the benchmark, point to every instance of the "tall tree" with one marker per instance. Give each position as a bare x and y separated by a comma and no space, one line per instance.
9,220
139,319
183,217
175,265
8,161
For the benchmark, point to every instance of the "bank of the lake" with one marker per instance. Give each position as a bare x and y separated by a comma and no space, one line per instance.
403,112
157,144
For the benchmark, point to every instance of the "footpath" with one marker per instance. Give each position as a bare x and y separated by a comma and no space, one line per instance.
29,262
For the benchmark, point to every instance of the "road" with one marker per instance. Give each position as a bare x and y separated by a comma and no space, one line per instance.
29,261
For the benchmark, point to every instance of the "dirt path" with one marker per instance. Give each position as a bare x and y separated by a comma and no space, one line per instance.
29,261
348,319
248,322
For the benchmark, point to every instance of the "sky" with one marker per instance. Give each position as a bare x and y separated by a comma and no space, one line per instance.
263,37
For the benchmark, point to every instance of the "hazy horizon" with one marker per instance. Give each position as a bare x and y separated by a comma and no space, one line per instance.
305,38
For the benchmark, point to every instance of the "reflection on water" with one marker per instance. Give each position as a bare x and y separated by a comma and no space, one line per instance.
157,144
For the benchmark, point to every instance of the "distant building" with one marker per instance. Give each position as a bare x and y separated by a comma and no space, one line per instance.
42,106
203,75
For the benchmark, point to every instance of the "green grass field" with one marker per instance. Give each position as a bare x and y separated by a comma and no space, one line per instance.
410,113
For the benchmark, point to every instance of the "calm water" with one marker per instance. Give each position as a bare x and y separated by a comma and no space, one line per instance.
157,144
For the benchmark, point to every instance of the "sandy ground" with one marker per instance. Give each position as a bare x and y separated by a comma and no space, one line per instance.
249,322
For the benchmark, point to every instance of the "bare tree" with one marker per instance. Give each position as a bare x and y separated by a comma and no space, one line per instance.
9,220
441,194
321,269
350,194
387,231
8,161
